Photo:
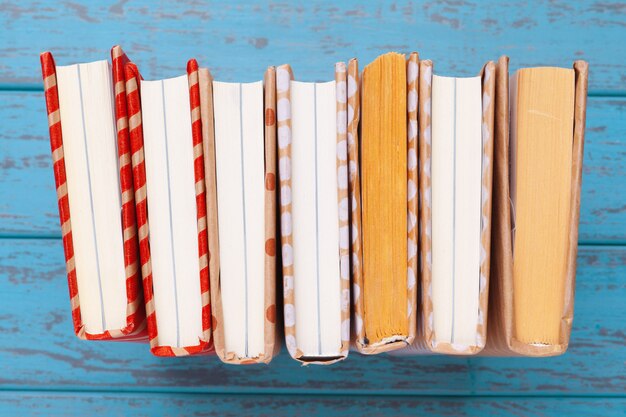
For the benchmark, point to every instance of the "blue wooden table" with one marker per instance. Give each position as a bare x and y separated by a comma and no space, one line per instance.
45,370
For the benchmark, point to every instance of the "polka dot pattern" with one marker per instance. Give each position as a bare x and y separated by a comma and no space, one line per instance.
270,314
284,76
412,72
354,189
342,197
270,247
270,181
272,345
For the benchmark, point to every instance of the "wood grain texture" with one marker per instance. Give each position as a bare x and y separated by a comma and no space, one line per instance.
38,349
239,39
30,207
162,405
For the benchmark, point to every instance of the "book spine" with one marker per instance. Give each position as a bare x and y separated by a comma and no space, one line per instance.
488,120
354,189
133,101
203,248
424,329
412,73
284,75
581,70
500,311
272,344
341,88
135,312
48,70
205,80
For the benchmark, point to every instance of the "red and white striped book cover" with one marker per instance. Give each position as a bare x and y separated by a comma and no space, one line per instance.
205,344
135,328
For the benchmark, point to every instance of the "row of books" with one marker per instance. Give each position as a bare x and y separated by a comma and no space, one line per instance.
391,209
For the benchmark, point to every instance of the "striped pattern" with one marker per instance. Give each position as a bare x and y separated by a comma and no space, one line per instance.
135,316
203,247
132,79
135,311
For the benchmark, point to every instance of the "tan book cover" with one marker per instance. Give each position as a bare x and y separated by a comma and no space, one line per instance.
502,340
271,336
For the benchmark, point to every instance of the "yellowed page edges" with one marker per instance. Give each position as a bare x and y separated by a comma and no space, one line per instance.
501,341
413,69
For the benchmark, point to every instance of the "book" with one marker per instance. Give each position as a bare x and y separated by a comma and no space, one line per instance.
456,185
456,147
542,122
314,215
94,183
538,172
239,137
166,134
385,254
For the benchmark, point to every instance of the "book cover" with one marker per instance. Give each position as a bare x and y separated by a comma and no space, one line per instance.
132,78
135,328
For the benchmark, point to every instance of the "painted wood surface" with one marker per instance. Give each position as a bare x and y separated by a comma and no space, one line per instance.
238,39
224,405
38,348
45,370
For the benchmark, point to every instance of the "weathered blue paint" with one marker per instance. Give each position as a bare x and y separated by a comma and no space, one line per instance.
39,350
45,370
225,405
238,39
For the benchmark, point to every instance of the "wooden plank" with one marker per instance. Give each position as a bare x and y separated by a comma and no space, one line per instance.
131,405
26,173
239,39
38,349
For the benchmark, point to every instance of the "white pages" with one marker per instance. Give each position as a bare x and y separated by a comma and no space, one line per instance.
456,207
172,210
315,218
92,167
240,172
